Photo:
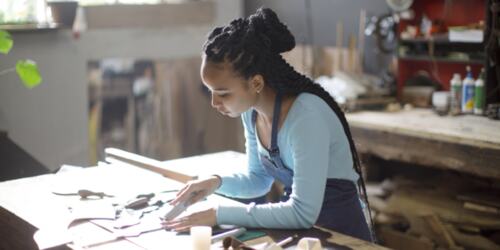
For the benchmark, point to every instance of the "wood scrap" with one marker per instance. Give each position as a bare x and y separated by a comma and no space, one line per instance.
452,211
397,240
386,219
481,208
377,204
373,189
481,198
474,241
439,232
468,229
351,64
411,204
400,182
339,65
361,36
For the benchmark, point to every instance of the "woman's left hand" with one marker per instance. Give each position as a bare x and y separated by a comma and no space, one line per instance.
202,218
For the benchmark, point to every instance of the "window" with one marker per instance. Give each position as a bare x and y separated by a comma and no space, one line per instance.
104,2
22,11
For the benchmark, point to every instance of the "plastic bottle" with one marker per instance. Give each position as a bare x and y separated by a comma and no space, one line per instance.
468,93
456,94
479,94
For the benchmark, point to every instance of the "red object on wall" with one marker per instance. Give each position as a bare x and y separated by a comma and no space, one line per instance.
458,13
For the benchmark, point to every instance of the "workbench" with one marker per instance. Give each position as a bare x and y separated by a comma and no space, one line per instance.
28,204
466,143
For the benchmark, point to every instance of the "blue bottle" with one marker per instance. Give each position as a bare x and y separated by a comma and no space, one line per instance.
468,93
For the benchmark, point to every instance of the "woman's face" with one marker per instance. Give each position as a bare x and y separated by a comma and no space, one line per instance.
231,93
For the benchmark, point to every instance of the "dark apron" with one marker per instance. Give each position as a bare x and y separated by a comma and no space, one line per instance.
341,210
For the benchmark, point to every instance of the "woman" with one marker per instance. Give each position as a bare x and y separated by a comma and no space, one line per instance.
295,133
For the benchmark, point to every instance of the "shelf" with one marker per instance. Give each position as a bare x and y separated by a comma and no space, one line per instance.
29,27
439,39
437,55
442,59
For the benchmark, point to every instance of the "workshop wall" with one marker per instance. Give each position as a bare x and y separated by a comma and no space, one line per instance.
325,15
50,121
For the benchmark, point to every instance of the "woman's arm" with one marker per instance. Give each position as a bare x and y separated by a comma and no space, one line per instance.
309,141
255,182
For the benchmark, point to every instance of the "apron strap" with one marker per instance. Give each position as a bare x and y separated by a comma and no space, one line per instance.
274,150
254,119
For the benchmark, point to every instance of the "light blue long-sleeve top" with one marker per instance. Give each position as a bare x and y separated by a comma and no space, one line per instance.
313,144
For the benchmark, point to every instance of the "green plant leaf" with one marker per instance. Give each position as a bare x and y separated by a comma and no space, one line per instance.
6,42
28,72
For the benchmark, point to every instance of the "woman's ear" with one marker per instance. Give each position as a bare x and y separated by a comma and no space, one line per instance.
257,83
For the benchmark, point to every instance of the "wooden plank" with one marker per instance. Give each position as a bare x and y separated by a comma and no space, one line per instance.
432,152
471,241
438,230
222,163
481,208
480,198
148,163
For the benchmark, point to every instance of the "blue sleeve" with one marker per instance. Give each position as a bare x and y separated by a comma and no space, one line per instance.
310,144
255,182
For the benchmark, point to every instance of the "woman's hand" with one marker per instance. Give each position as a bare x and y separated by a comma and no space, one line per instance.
197,190
202,218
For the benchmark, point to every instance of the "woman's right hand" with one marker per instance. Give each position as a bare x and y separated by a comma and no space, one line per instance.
197,190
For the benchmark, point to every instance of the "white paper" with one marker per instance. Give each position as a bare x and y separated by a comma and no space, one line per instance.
51,237
92,209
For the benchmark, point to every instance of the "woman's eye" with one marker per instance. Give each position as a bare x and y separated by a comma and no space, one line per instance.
223,95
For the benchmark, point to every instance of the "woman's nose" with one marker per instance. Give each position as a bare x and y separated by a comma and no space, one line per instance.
215,101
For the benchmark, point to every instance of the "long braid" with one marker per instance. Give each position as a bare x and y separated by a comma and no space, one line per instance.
294,83
253,46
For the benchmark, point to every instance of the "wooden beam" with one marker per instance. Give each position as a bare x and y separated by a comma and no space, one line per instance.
149,164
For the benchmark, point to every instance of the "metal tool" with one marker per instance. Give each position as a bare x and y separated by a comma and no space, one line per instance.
234,233
173,211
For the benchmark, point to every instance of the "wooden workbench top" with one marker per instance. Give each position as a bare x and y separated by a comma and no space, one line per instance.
465,129
467,143
28,204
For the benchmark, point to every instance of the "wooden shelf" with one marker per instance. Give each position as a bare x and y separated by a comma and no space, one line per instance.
448,57
30,27
442,59
438,39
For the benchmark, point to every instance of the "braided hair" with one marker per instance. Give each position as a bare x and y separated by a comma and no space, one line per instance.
253,46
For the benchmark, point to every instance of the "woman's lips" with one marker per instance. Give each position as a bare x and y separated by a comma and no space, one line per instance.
223,111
